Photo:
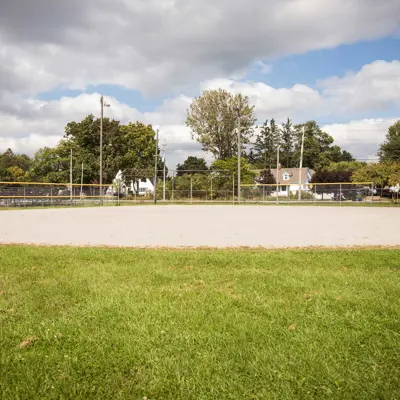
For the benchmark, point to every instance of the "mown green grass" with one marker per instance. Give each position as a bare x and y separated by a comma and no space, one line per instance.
199,324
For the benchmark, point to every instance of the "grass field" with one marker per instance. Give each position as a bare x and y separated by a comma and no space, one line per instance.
85,323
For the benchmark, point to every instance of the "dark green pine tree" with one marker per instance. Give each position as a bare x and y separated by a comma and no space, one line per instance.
288,139
266,144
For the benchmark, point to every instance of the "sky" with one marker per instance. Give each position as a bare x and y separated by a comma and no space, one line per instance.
333,61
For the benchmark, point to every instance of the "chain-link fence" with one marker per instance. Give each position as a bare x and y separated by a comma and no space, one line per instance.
32,194
185,187
359,192
182,186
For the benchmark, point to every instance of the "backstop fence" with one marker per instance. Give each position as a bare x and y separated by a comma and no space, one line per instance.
196,188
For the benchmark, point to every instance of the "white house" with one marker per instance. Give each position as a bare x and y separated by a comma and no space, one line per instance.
146,187
140,187
292,179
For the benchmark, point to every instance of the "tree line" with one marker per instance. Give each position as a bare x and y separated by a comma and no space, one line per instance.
213,121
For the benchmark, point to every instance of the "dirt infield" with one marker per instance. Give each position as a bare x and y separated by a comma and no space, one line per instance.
197,226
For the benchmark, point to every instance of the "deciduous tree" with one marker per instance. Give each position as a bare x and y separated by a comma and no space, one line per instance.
192,165
212,118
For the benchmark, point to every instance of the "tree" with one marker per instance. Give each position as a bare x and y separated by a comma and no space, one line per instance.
266,177
350,166
50,165
331,176
192,165
226,171
266,145
129,148
379,174
390,149
287,144
212,118
318,149
13,167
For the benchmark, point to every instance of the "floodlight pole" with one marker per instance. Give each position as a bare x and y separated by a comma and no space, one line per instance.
164,172
101,147
70,175
301,159
102,105
155,169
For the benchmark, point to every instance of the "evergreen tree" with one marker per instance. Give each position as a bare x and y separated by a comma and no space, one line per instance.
288,139
266,144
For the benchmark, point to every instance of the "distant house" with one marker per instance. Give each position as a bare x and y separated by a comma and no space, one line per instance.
292,179
141,187
146,187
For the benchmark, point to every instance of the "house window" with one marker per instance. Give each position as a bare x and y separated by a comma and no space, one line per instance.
286,176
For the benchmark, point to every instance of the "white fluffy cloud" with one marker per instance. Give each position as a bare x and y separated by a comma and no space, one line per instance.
156,45
362,137
36,123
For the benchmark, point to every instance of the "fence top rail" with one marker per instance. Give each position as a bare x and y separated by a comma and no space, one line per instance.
304,184
56,184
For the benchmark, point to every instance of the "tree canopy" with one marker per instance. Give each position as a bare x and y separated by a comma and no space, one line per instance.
191,166
382,174
390,149
264,150
212,118
129,148
266,177
13,167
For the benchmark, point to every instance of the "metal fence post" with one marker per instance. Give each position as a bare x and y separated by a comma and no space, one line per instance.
315,193
51,196
191,189
340,194
24,196
211,196
372,197
233,188
172,187
118,194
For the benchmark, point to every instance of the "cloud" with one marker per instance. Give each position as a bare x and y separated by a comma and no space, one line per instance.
361,138
157,45
264,68
26,123
375,87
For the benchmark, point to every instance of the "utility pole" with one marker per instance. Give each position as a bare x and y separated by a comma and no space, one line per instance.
102,105
155,169
277,174
101,147
70,175
164,171
239,151
301,160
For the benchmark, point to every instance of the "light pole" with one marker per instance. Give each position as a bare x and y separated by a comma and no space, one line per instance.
237,109
70,176
164,170
277,174
102,105
155,169
301,159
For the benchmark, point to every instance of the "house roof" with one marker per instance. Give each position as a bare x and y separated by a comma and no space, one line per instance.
294,174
